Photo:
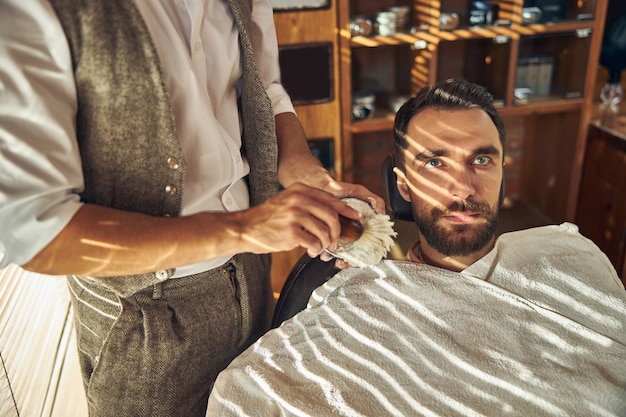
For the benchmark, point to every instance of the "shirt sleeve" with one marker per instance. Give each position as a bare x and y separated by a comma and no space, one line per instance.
40,166
265,47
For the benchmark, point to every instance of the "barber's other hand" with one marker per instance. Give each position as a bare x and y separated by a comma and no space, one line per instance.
345,189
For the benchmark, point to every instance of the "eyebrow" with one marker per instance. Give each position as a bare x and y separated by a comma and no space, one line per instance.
430,154
487,150
435,153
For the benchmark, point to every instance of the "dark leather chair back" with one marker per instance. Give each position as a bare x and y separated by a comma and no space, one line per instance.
308,274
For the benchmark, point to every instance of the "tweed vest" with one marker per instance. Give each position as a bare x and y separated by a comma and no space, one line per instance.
125,128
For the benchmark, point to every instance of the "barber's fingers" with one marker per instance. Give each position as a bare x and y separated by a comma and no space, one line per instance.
269,228
309,231
339,263
298,216
320,204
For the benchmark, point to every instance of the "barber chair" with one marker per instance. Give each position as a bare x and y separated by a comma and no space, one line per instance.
309,273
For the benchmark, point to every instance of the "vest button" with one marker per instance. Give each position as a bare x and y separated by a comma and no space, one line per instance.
161,275
173,162
170,189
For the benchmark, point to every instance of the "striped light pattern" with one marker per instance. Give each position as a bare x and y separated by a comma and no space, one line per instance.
539,331
39,374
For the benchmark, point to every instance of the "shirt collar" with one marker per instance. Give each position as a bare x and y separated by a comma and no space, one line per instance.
414,253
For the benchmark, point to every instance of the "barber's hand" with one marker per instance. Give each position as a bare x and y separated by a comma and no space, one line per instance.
300,215
343,190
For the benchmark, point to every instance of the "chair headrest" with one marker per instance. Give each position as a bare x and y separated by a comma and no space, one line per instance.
399,207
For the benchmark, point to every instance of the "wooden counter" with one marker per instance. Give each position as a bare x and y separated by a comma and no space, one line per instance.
608,121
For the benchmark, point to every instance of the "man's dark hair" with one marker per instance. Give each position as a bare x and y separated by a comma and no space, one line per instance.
452,94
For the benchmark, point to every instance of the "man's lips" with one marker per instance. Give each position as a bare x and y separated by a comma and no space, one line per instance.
462,217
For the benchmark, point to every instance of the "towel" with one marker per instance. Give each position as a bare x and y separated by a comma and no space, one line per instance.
537,327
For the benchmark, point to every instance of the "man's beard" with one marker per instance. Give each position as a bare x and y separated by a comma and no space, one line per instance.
457,239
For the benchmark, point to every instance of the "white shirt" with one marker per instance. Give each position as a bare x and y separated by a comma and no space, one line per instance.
40,168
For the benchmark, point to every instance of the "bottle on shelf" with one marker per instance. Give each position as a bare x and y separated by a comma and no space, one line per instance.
613,58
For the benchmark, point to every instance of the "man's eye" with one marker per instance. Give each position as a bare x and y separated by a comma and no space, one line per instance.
433,163
482,160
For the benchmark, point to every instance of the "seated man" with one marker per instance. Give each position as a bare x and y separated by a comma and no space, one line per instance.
530,323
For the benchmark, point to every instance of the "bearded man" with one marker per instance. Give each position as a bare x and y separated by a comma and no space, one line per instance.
528,323
449,150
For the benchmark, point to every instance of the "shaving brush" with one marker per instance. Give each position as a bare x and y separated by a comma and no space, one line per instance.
351,230
364,242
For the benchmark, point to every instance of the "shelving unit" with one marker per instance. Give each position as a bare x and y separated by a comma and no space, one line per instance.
546,129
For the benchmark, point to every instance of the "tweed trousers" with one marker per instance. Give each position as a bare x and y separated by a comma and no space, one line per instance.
158,352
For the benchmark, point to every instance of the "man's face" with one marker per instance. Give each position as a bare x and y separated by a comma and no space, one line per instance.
453,177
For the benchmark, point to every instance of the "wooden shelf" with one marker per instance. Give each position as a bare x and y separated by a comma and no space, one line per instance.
395,40
539,29
546,106
382,120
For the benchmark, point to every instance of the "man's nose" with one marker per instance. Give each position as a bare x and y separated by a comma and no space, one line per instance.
461,184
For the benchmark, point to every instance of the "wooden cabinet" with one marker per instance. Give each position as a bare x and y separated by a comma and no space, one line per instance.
541,74
601,212
309,56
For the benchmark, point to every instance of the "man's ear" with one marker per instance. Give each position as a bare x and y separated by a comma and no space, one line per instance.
401,183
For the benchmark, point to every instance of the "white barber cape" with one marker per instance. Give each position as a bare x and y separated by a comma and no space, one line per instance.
535,328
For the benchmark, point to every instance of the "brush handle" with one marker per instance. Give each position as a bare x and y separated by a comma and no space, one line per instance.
351,229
